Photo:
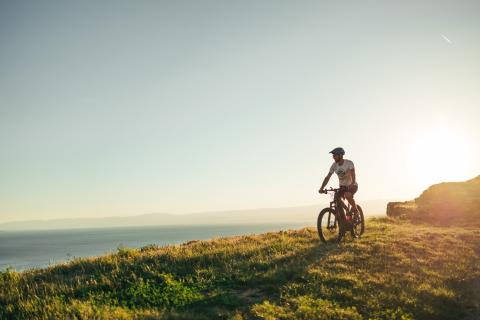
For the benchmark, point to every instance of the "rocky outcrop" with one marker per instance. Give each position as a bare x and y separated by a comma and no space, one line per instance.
400,209
445,203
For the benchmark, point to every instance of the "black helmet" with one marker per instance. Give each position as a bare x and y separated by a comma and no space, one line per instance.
338,151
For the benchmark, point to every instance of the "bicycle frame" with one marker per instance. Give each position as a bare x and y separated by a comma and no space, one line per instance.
339,207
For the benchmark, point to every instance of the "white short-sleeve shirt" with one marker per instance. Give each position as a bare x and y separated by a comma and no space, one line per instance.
344,176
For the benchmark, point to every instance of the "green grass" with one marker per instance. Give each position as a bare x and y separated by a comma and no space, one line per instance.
395,271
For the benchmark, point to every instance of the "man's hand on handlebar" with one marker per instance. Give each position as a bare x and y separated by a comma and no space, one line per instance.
322,190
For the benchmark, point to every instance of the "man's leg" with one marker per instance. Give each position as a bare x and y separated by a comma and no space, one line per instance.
349,197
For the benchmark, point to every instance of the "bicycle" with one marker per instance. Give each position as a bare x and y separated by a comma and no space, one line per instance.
332,220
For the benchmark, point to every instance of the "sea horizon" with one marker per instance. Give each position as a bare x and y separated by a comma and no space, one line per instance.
28,249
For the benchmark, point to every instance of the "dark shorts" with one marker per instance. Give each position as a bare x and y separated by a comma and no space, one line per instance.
351,188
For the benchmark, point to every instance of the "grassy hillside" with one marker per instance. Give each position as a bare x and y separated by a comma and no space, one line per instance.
447,203
396,271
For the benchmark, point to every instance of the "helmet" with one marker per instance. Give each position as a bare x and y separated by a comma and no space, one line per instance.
338,151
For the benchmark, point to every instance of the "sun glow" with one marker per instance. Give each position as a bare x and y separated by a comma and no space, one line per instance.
438,155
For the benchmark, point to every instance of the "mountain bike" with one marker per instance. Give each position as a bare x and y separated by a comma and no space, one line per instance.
332,223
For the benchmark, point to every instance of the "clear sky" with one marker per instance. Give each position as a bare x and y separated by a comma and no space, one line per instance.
131,107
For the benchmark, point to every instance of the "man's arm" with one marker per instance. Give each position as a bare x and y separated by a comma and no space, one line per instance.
325,181
352,172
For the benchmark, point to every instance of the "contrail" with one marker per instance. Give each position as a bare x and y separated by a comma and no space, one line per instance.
446,39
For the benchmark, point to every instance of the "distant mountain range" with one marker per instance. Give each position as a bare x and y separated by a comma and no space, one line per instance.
307,214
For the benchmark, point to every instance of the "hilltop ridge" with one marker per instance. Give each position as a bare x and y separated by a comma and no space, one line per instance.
446,203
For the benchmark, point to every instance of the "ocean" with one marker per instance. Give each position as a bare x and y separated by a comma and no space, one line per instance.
23,250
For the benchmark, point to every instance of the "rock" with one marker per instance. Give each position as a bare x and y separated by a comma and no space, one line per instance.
398,209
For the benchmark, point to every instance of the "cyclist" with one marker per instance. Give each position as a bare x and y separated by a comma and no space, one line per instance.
345,171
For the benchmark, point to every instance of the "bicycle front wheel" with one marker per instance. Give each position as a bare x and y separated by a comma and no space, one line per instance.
328,226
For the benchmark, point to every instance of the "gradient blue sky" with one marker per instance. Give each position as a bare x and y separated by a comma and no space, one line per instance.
131,107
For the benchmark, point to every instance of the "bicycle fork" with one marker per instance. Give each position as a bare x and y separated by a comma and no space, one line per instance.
333,206
339,210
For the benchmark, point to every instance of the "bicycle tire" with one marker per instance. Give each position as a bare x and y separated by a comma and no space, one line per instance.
362,224
339,223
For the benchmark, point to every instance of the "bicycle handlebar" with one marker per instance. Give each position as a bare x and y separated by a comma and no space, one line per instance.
331,190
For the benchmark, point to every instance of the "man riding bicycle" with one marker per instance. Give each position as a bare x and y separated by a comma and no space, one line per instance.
345,171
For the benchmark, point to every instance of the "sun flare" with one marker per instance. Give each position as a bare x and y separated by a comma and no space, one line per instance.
439,154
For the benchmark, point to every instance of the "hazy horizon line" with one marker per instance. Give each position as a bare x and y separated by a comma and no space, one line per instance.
178,214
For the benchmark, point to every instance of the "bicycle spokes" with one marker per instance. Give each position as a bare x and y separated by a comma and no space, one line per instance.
331,222
357,224
328,226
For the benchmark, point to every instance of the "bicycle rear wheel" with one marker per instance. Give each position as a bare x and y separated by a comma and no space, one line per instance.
358,224
329,228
